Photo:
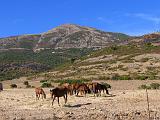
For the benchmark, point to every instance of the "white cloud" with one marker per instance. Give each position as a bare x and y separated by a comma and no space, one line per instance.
104,20
16,21
149,17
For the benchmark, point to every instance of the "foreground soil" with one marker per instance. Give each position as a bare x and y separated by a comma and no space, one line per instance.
20,104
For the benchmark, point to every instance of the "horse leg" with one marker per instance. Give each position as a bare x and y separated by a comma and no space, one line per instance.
58,101
100,92
80,92
42,96
66,99
85,92
72,92
77,92
94,92
38,96
107,92
53,100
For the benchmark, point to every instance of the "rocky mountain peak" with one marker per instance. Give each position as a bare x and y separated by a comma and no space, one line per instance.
64,36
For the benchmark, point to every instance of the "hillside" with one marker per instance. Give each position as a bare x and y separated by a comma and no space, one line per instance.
98,54
126,62
17,63
30,54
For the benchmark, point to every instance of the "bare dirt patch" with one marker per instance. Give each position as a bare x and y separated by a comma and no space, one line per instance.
20,104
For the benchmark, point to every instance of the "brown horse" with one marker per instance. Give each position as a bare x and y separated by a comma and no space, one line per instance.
69,88
96,88
83,89
59,92
39,91
75,87
104,88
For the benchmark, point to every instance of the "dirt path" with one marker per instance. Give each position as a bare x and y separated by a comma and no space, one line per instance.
19,104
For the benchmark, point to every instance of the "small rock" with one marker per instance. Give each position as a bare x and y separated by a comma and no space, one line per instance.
92,108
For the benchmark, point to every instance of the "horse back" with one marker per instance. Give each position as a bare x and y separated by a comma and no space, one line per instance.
59,91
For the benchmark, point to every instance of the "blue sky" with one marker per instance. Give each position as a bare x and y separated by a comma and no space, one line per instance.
133,17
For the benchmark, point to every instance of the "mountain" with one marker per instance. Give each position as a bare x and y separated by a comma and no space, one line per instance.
31,54
64,37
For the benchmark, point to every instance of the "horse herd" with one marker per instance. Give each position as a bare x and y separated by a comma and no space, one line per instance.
73,89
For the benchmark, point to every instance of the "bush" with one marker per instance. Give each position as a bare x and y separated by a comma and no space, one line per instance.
154,85
125,77
42,81
70,81
13,86
26,83
46,84
103,78
115,77
28,86
121,77
142,77
144,87
114,47
151,86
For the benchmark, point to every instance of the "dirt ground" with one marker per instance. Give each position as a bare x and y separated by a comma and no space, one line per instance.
20,104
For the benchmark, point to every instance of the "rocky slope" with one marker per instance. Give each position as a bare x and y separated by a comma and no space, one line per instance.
64,36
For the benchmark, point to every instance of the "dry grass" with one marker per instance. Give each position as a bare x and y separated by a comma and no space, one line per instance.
126,103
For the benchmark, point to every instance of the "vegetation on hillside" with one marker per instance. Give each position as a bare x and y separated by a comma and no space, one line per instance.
94,66
15,64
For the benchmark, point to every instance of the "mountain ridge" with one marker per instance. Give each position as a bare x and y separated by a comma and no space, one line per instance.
63,36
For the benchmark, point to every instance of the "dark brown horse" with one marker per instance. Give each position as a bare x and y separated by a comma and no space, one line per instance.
59,92
39,91
105,88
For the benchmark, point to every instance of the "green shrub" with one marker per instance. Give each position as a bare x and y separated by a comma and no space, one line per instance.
114,48
144,87
46,84
152,77
103,78
141,77
121,77
13,86
28,86
124,77
151,86
70,81
154,85
115,77
42,81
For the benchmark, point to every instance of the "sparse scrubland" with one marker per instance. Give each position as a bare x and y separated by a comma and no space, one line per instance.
131,65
